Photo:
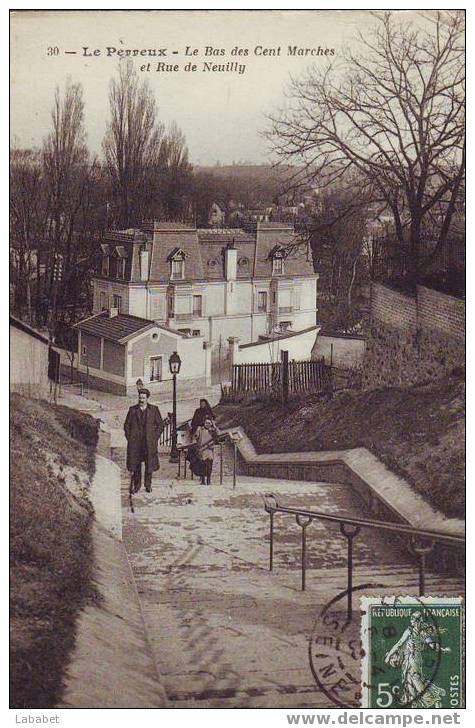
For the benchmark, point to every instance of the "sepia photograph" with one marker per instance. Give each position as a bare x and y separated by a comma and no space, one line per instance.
237,362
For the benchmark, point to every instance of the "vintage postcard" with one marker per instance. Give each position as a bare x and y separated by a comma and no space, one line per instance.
237,360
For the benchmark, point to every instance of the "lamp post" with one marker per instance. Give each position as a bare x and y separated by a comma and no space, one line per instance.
174,363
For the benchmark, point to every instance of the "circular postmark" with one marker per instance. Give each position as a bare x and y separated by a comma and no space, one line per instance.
337,652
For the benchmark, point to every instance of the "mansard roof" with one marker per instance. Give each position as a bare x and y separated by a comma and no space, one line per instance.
204,250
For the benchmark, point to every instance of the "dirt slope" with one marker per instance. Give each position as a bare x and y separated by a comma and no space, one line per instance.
418,432
50,545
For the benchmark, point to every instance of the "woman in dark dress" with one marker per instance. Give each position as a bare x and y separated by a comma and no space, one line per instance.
203,411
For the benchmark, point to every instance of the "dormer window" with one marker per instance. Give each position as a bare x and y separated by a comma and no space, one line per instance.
177,264
277,266
277,255
178,268
121,268
105,263
120,255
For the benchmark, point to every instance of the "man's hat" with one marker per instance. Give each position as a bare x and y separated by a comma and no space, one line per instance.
142,390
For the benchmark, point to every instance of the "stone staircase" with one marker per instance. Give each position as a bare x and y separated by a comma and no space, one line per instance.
227,632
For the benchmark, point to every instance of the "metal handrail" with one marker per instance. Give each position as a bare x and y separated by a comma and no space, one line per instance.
422,540
441,536
220,442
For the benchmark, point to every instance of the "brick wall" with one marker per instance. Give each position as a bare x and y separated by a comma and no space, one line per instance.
426,310
441,312
392,307
413,339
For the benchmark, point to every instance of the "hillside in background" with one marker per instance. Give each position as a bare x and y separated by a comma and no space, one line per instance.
251,185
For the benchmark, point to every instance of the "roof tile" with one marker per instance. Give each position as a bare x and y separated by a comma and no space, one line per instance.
116,328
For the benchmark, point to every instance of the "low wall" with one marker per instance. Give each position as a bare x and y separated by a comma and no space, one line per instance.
112,664
28,362
299,345
387,497
443,558
111,643
343,351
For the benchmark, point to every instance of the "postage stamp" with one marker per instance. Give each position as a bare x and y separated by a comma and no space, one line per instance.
413,652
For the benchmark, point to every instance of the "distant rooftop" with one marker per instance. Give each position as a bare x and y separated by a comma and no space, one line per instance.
275,226
224,235
128,235
151,225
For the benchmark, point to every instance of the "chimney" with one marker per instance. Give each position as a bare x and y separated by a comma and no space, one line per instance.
144,258
230,260
113,312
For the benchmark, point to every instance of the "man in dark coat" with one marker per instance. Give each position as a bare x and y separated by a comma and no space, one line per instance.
142,428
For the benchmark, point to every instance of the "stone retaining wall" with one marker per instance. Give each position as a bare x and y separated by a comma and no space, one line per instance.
442,559
112,664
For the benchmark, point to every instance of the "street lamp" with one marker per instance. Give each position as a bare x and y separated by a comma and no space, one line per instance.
174,363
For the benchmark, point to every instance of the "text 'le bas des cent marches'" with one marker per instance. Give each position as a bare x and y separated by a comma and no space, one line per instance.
209,52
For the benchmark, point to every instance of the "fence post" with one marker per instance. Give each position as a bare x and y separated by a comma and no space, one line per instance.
220,463
284,356
234,463
233,342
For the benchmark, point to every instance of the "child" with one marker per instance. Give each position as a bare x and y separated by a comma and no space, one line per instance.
205,438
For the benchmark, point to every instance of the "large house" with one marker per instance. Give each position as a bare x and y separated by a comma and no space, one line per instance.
211,284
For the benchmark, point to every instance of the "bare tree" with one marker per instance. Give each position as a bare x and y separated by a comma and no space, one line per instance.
390,116
132,142
174,175
68,174
336,234
26,222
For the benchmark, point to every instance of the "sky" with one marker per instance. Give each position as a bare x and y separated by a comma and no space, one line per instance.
222,114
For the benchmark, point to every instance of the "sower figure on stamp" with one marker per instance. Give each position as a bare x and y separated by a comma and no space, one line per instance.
142,428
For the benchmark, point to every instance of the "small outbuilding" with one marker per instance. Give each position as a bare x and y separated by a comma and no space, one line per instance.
116,349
